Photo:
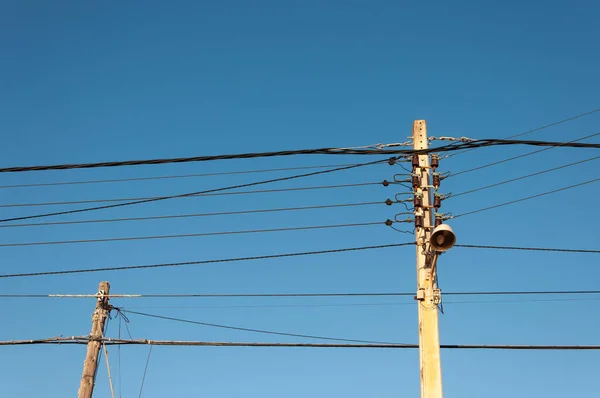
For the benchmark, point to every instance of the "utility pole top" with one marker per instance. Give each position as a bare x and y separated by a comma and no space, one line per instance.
420,134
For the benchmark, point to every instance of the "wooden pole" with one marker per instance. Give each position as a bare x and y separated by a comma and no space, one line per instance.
428,295
88,379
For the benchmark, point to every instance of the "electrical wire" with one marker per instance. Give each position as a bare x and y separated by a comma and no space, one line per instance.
79,340
110,382
160,198
272,256
262,331
521,156
194,235
203,295
523,177
379,304
304,295
397,346
527,198
282,255
202,262
145,371
554,124
540,128
478,143
120,378
524,293
260,191
103,334
321,151
522,301
544,249
174,216
169,177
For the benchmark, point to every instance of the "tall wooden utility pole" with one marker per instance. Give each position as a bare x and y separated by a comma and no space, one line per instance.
428,295
86,388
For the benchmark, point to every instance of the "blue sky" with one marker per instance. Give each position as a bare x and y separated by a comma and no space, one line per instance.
84,82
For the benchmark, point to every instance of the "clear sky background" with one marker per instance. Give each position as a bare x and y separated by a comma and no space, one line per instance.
96,81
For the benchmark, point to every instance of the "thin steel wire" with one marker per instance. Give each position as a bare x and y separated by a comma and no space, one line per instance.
194,235
527,198
175,216
203,262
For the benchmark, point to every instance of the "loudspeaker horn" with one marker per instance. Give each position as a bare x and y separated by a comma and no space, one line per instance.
442,238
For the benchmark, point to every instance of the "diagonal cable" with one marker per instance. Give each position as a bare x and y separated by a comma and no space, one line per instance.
252,330
201,234
527,198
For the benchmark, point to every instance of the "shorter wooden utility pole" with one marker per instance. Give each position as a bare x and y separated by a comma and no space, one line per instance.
86,388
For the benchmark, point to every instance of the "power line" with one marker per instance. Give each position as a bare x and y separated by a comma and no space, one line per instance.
120,316
201,234
168,177
540,128
174,216
377,304
543,249
145,371
264,257
524,177
523,155
191,193
555,123
562,299
405,346
527,198
321,151
160,265
202,262
487,142
110,341
307,295
203,295
278,190
523,293
110,382
262,331
272,191
304,295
